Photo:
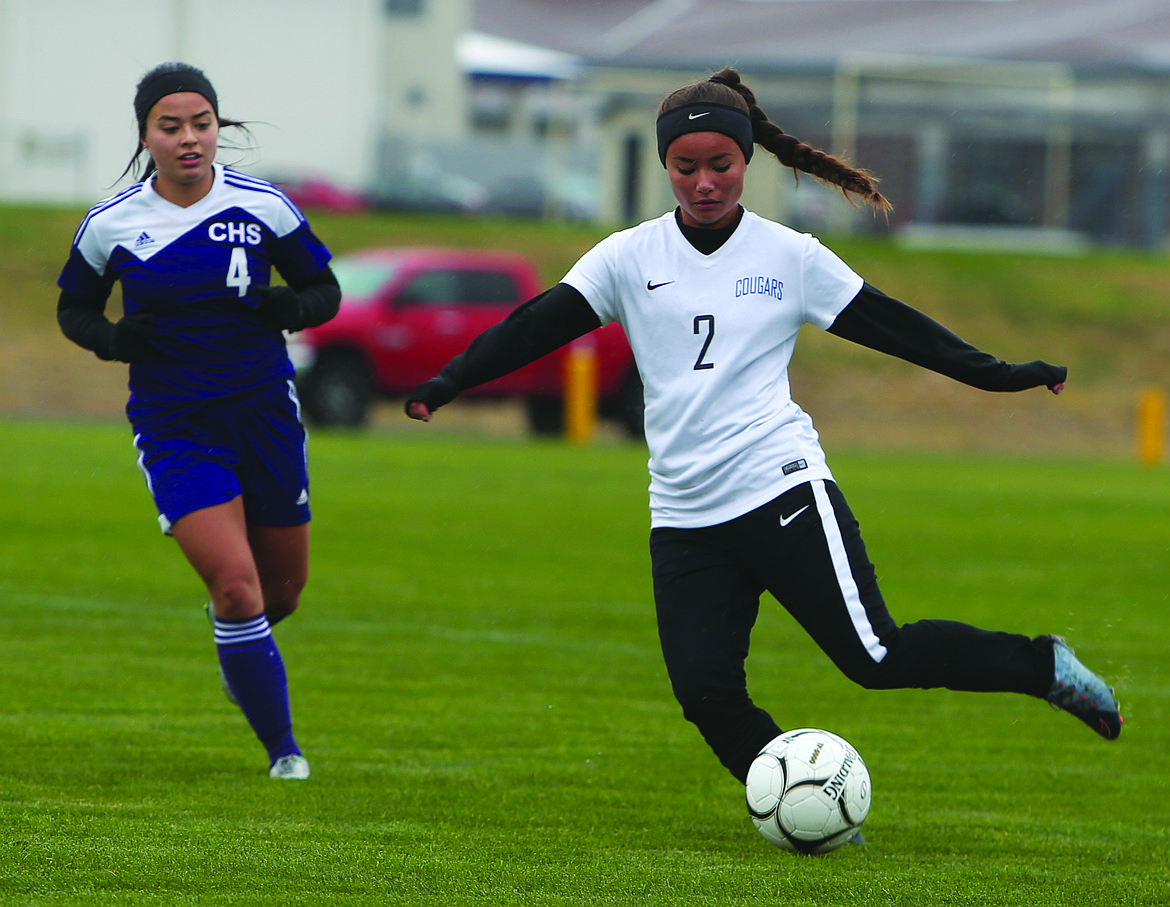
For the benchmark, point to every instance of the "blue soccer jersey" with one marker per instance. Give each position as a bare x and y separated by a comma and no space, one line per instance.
194,270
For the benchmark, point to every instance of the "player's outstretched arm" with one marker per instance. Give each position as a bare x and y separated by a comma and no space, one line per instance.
536,328
887,325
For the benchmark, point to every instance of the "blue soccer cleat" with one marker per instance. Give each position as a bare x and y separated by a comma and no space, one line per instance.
1082,693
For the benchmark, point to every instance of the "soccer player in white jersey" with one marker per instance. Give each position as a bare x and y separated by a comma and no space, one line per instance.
212,404
742,500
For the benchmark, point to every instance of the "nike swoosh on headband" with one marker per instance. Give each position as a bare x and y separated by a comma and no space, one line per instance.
695,116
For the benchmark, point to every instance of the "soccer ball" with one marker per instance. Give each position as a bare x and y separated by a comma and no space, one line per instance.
808,791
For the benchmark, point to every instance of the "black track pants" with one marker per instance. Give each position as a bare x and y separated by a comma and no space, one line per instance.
805,548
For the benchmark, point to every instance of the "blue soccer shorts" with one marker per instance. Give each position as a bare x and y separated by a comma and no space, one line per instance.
252,444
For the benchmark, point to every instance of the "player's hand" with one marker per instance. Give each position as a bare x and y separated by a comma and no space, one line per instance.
416,409
428,397
278,309
1025,375
132,337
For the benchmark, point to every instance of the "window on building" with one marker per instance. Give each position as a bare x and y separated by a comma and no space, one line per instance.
403,7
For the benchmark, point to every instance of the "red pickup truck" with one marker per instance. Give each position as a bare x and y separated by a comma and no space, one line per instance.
406,311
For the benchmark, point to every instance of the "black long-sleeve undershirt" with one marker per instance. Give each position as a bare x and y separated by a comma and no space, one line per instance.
545,323
83,321
885,324
872,319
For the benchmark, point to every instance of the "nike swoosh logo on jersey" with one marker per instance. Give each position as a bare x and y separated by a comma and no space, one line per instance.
651,285
695,116
785,520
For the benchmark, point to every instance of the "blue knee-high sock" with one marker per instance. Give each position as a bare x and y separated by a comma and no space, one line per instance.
255,672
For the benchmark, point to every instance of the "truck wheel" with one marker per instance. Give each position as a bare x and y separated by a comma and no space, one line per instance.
337,391
546,415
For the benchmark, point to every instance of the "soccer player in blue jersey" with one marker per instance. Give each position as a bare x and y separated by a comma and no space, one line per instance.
712,298
212,403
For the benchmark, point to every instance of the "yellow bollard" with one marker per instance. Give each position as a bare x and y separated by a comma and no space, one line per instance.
581,391
1151,422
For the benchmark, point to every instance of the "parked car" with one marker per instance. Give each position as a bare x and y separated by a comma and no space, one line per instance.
405,312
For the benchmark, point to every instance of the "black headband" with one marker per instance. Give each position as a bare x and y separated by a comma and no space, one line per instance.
157,86
705,116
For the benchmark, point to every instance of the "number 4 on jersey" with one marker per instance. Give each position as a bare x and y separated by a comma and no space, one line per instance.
237,275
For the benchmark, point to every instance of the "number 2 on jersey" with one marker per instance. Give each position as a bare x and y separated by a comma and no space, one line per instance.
708,320
237,275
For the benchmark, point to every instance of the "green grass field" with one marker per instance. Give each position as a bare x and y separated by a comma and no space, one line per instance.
476,680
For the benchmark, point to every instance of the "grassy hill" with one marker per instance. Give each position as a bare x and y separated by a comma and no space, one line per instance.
1104,315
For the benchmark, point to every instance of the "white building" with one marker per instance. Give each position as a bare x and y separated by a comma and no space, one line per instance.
321,82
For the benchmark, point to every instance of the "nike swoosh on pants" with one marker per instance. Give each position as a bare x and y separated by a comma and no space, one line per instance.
785,520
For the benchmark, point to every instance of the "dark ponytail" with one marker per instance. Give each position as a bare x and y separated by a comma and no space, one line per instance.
725,87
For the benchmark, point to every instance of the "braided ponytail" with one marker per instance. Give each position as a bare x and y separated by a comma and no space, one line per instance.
725,87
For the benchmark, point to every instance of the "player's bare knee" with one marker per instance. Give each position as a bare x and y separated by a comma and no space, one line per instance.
282,598
236,597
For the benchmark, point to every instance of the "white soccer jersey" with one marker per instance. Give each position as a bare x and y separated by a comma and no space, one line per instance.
713,336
